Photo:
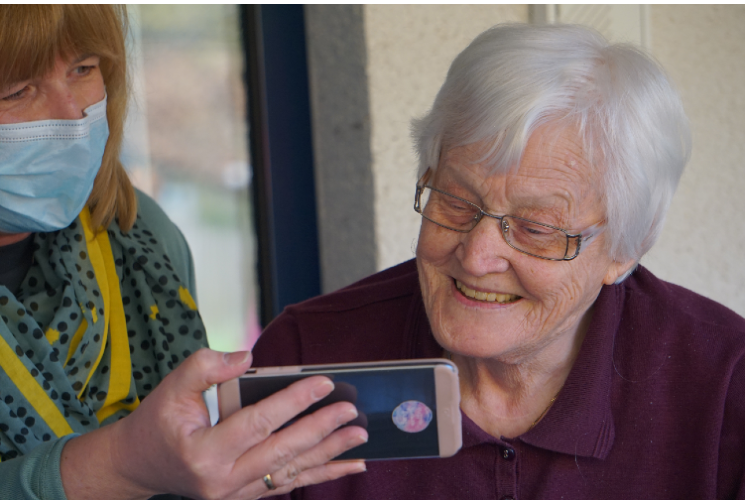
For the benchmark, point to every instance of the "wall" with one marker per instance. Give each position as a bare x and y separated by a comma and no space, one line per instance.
337,68
409,49
702,246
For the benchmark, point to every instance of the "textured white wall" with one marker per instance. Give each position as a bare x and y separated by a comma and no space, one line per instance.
703,243
409,50
702,48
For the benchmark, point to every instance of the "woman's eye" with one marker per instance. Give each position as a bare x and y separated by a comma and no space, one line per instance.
84,70
15,95
530,230
460,206
533,230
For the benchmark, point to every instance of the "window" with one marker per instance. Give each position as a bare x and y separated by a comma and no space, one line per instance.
186,146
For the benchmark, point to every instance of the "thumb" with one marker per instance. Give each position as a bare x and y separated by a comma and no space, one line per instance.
207,367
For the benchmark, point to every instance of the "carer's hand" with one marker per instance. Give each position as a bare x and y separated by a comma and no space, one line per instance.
168,446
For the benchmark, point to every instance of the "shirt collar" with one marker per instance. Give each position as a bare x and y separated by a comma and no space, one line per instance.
580,421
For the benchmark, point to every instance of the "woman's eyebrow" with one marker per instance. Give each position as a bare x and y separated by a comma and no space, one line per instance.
550,203
82,57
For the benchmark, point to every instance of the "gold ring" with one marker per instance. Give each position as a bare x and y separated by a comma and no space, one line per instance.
268,482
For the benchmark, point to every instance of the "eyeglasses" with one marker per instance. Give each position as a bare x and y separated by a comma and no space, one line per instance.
529,237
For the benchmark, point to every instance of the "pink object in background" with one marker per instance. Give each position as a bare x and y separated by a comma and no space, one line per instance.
253,329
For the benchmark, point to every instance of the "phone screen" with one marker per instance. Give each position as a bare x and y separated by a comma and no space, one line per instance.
398,407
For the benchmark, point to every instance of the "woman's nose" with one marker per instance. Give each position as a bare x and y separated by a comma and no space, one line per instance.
64,103
484,250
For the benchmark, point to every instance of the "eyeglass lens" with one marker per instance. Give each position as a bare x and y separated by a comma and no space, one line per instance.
524,235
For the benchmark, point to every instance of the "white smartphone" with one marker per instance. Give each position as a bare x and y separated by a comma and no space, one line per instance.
411,408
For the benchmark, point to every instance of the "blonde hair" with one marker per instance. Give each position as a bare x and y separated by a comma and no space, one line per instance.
33,36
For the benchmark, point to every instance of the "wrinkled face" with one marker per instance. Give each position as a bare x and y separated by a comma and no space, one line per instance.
485,299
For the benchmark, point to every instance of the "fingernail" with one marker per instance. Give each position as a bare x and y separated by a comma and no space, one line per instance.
348,415
322,390
235,358
357,440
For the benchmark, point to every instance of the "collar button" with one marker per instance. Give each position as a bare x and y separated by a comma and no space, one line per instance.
508,453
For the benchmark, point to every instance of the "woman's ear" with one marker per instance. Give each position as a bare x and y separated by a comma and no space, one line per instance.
618,269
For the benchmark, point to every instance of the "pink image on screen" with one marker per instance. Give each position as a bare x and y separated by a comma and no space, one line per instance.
412,416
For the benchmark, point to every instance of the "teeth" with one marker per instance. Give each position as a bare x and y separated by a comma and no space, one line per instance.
502,298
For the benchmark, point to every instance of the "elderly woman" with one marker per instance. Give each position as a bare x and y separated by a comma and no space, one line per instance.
96,288
547,164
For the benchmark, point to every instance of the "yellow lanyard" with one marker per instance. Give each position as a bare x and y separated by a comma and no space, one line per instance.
102,259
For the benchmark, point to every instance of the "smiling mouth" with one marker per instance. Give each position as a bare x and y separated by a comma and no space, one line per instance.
501,298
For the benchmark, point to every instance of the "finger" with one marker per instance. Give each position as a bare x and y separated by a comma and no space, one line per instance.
337,443
316,475
320,474
295,474
333,446
253,424
281,448
207,367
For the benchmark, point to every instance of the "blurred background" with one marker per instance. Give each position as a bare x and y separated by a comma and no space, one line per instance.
277,138
186,146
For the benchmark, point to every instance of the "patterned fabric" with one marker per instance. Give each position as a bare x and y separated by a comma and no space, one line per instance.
98,321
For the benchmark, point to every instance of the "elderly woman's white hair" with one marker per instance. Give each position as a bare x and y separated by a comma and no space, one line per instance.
514,78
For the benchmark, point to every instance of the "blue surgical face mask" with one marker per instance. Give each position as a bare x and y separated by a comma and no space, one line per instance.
47,169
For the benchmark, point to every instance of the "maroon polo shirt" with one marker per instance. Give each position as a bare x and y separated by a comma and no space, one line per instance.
654,406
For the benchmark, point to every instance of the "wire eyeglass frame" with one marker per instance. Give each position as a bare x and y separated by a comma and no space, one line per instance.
582,237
